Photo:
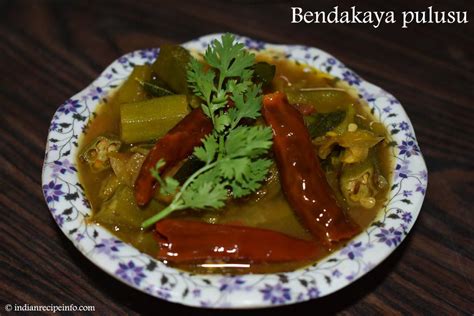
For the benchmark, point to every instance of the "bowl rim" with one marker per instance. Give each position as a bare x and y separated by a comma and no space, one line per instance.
68,204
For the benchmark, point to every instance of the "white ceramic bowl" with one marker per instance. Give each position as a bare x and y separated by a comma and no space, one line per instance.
69,206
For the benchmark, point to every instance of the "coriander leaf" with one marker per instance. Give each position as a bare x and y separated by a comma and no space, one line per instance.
237,87
242,61
200,81
155,172
251,180
212,175
246,107
221,122
208,151
205,195
248,141
259,169
228,57
234,170
247,75
219,101
169,186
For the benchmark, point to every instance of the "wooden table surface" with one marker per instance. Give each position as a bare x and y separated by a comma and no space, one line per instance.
49,50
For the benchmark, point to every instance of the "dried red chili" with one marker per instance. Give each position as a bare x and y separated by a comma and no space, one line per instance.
303,181
175,146
185,241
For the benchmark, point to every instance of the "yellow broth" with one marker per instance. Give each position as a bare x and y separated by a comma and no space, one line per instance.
271,211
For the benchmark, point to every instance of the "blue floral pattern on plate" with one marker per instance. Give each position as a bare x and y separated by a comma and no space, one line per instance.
68,204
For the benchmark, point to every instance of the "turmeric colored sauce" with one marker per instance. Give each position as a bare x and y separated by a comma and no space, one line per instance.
267,208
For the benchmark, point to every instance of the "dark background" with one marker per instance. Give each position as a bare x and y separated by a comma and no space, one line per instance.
49,50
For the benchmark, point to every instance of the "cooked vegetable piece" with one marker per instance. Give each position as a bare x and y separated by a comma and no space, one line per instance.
356,144
323,100
96,154
109,186
303,181
154,90
166,197
378,129
151,119
263,73
143,149
336,122
121,210
175,146
321,123
170,67
158,82
194,101
360,182
192,241
126,166
132,90
333,175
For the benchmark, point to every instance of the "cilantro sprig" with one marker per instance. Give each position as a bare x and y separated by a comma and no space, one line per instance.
233,154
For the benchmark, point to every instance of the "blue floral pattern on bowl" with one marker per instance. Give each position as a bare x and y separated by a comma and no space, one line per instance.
69,207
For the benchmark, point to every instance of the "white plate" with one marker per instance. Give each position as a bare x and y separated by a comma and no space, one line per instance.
68,204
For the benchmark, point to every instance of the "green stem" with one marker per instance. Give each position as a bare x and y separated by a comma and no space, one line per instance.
192,178
235,123
221,147
162,214
175,205
211,114
221,81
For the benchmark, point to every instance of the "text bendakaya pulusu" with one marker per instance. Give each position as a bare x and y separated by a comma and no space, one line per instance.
376,18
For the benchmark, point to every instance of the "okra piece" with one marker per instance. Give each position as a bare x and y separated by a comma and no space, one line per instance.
356,144
121,211
96,154
263,73
360,182
151,119
109,186
323,100
143,149
132,90
126,166
348,119
154,90
171,67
